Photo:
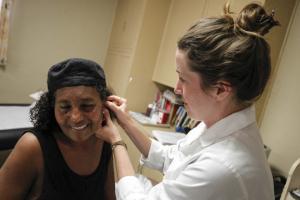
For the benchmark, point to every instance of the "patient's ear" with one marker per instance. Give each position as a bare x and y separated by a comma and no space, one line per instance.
103,123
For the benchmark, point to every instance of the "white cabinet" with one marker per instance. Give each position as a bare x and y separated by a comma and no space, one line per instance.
181,16
133,49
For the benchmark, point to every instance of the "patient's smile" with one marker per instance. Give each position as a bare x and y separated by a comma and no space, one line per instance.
78,128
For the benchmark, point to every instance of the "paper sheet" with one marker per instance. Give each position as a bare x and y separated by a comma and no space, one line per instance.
13,117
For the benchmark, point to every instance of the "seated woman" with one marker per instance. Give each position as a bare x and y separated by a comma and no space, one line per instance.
60,158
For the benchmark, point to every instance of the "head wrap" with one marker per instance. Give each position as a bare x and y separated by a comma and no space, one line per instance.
75,72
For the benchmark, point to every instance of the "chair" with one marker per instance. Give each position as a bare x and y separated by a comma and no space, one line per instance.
293,181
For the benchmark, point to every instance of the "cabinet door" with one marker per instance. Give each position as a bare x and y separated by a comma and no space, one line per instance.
182,15
123,39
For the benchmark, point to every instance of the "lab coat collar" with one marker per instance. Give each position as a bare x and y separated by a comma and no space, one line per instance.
221,129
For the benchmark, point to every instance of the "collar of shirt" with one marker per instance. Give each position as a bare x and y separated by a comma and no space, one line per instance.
201,136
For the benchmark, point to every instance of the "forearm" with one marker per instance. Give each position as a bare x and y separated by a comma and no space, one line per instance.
122,162
138,136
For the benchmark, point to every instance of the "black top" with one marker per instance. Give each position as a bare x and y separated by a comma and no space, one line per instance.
60,182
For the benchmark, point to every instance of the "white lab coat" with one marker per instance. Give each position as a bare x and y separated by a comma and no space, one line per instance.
225,162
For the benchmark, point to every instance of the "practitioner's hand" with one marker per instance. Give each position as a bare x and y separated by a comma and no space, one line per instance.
108,131
118,105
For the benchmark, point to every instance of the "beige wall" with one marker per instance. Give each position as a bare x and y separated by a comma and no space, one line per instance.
280,125
283,12
44,32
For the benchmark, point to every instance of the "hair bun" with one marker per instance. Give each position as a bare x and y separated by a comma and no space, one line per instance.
253,18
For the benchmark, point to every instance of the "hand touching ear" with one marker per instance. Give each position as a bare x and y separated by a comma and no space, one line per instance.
118,105
108,130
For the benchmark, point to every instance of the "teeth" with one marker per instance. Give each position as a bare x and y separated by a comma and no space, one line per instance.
79,127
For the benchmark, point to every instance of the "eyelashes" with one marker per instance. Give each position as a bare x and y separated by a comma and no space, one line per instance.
82,108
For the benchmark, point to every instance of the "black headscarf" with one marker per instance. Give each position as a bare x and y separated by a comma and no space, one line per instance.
75,72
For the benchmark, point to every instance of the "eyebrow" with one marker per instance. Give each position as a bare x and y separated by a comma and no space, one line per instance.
62,101
88,99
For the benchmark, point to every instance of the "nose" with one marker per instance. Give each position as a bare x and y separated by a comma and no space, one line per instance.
177,89
76,115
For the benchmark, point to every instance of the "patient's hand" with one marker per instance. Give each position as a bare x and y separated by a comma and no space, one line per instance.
107,130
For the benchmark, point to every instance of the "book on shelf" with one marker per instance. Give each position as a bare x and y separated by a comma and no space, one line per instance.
145,120
182,122
167,103
167,110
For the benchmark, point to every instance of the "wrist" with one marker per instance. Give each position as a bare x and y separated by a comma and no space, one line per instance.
116,139
118,143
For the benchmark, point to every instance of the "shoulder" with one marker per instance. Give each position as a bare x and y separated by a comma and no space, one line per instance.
22,167
25,157
27,151
28,144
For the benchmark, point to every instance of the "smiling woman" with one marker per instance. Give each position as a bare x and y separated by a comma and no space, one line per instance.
60,158
77,111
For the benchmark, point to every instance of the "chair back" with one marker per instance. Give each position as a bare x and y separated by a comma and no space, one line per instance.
292,182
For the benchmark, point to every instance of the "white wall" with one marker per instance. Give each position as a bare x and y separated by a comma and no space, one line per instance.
280,125
44,32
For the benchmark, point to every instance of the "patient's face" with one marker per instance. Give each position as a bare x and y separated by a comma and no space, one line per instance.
78,111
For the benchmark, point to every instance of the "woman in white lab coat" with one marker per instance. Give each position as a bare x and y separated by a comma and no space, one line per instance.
223,65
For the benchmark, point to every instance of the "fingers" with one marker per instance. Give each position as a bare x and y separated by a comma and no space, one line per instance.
119,107
115,103
107,131
106,116
116,99
112,106
113,97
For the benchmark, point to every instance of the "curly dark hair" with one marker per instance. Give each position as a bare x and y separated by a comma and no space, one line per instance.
42,114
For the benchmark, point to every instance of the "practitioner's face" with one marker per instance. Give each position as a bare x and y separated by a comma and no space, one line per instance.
78,111
198,103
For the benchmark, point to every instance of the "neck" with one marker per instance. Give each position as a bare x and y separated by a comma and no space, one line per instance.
86,144
222,112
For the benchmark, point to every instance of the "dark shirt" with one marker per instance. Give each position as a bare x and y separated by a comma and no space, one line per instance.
60,182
